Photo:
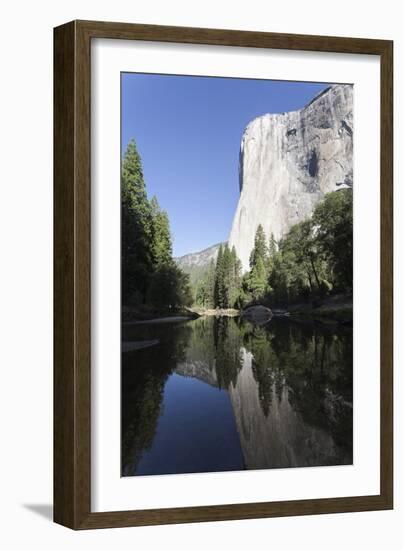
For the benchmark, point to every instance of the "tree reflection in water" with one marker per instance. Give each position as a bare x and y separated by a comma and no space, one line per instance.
289,385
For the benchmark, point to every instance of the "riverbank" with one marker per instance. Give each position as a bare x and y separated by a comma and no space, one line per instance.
215,312
169,319
334,308
143,315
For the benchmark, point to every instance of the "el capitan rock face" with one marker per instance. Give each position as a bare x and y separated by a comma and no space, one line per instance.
288,162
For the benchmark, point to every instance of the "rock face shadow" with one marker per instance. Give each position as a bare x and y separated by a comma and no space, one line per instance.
44,510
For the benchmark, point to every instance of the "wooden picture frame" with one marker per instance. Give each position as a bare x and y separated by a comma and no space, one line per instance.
72,269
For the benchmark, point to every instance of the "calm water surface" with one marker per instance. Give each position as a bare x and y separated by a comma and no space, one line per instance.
219,394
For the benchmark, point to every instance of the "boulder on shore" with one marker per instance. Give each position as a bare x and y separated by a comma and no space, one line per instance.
260,315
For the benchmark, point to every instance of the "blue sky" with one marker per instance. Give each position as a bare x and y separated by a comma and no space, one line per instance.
188,132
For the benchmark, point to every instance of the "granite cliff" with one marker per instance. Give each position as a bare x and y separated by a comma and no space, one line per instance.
288,162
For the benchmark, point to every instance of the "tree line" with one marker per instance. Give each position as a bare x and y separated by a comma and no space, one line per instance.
314,259
149,274
221,286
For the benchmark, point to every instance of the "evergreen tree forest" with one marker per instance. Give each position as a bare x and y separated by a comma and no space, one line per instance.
149,274
222,286
314,260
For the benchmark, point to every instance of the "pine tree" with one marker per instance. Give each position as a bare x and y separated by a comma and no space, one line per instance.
149,274
272,246
271,260
209,285
226,278
258,279
136,253
235,278
201,293
161,235
260,247
219,277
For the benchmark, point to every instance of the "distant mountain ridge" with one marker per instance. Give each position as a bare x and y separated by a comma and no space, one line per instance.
196,263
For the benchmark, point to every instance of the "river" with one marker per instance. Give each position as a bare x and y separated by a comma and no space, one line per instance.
221,394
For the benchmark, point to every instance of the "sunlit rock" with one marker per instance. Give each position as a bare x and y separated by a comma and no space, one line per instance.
288,162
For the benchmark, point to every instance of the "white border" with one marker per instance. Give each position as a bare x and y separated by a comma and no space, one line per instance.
109,490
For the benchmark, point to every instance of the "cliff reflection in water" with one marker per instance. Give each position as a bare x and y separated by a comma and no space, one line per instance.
219,394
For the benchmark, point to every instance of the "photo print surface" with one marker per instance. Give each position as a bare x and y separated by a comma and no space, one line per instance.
236,274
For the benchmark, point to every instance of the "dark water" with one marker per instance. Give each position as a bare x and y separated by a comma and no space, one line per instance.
218,394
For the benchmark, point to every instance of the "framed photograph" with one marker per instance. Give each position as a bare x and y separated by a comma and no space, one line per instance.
222,275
